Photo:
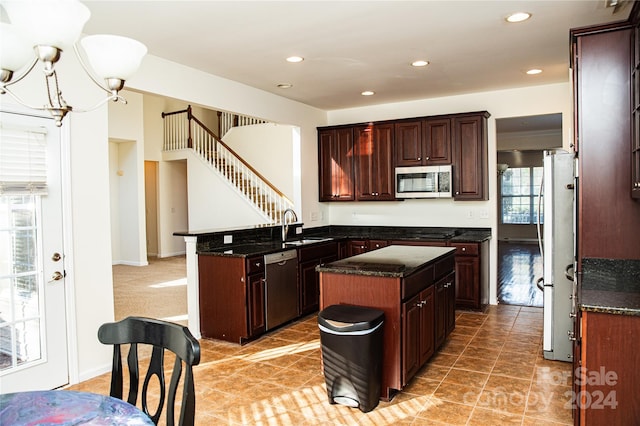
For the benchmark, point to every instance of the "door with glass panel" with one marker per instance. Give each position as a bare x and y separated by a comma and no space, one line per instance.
33,328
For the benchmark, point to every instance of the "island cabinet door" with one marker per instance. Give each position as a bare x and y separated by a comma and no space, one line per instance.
417,332
410,338
440,312
427,323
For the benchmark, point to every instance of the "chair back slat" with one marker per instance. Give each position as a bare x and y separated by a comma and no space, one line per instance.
161,336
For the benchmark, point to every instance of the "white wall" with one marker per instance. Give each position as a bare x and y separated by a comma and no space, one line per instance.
126,135
269,148
213,203
501,104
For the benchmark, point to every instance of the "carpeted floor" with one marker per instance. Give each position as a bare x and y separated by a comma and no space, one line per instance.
158,290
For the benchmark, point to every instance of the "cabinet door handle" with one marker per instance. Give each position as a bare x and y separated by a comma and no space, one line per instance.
419,158
258,264
463,249
428,158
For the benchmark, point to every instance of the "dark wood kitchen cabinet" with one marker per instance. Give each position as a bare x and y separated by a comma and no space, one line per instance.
357,161
445,309
470,151
309,258
374,162
418,326
336,168
355,247
423,142
255,284
608,378
609,218
472,275
231,291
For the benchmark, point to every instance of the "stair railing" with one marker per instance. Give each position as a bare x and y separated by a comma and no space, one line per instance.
182,130
227,121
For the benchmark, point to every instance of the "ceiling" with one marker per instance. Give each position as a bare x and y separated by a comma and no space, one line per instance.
351,46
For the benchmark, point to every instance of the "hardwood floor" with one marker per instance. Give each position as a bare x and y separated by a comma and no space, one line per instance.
519,266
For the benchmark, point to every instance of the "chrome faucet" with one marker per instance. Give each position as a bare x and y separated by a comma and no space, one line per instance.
285,225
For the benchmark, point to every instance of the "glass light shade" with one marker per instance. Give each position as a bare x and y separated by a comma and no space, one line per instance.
56,23
113,56
15,50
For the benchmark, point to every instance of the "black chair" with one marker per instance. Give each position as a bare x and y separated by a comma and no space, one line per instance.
161,335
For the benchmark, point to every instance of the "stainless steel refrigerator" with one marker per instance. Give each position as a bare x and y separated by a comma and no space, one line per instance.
558,253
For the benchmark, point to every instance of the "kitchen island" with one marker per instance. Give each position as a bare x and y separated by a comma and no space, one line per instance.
414,287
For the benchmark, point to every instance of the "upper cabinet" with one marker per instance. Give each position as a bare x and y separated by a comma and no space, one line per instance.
336,168
470,174
605,122
423,142
357,162
374,162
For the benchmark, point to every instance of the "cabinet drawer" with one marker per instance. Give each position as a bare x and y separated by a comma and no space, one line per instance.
416,282
318,251
466,249
444,267
255,265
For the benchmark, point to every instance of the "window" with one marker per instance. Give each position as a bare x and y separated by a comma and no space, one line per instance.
520,189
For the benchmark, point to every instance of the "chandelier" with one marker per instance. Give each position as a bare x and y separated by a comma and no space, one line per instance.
40,30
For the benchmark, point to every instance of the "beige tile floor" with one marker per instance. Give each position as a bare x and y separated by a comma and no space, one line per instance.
490,371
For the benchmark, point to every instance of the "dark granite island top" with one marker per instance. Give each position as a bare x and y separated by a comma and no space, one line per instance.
391,261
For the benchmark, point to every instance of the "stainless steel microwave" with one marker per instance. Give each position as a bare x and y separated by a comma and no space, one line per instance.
423,182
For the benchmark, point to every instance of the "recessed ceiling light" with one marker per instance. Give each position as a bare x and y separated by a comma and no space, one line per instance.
518,17
285,85
295,59
419,63
368,93
534,71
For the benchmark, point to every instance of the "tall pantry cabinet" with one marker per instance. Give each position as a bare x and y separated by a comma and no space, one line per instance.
605,70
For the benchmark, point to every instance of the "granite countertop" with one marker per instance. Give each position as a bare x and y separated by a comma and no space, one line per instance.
261,240
610,286
391,261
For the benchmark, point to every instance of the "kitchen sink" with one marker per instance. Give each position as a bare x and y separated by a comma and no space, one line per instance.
305,241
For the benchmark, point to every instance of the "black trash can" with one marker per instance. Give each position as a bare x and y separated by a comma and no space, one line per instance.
351,339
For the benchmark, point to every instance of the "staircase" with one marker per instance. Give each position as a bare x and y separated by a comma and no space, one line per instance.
184,131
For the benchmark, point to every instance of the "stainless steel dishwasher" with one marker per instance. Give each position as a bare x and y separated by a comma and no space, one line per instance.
281,287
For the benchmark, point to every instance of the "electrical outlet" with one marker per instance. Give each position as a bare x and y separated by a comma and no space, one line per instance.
314,216
484,214
470,214
228,239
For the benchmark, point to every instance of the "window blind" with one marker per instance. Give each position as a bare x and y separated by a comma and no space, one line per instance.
23,160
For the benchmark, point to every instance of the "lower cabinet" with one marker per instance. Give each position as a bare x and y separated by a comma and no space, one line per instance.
445,308
417,332
606,375
355,247
472,275
231,291
256,313
309,258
